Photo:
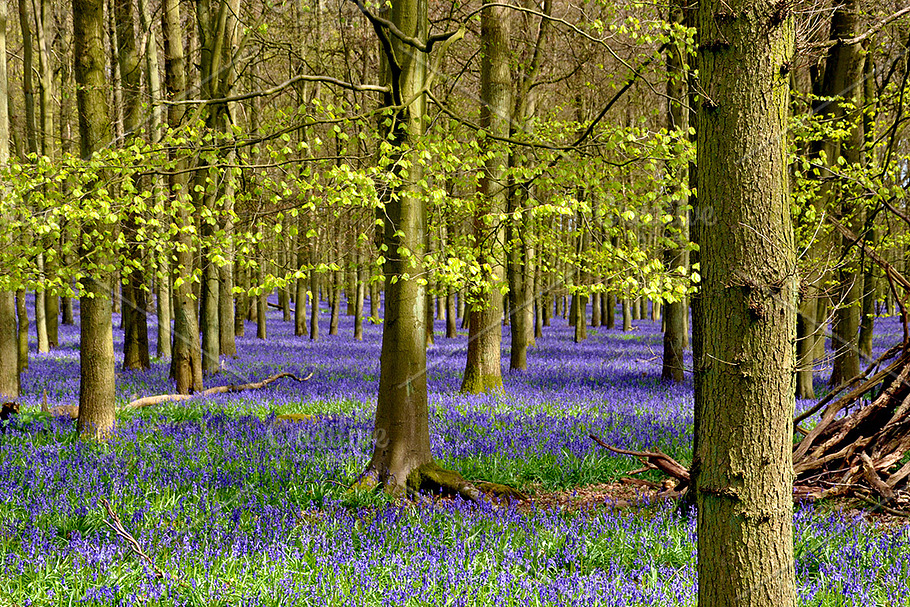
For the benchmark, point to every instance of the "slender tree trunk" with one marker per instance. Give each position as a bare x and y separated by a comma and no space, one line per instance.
358,300
9,355
314,302
678,229
608,316
97,416
451,312
22,330
186,361
300,320
243,300
626,314
483,371
262,305
135,322
335,303
744,370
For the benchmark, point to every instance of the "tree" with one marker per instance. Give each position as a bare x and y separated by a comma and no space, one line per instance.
9,355
186,361
744,372
402,436
483,371
675,257
96,354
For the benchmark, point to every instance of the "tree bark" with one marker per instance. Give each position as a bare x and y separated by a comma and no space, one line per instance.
744,372
96,351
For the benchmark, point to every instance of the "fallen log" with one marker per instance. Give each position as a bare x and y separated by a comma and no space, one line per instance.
652,460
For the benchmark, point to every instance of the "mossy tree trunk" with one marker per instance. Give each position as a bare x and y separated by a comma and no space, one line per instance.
97,416
744,372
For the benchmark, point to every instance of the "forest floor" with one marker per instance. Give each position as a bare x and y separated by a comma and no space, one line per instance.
229,508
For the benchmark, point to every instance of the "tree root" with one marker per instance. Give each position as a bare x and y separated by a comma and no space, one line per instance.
433,479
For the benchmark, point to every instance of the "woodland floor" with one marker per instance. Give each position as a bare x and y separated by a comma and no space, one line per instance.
230,508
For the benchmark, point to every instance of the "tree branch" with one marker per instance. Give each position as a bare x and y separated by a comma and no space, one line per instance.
362,88
865,35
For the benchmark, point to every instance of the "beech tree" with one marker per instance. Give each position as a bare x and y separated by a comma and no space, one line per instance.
9,355
744,371
97,416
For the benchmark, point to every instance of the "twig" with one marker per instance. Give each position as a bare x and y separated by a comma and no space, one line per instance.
117,527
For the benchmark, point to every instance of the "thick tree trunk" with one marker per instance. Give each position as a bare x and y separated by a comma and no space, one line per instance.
744,372
483,370
402,437
96,351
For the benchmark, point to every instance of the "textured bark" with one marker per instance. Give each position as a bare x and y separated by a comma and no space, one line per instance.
359,291
96,351
483,370
744,369
186,361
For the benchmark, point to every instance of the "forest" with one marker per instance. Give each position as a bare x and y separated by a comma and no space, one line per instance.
398,302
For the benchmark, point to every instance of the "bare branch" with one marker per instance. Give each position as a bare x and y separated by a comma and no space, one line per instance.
361,88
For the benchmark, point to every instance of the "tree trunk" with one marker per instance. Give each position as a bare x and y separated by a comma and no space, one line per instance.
678,229
358,300
843,82
626,314
243,300
314,303
9,355
186,361
335,303
97,416
262,305
744,373
451,312
608,315
135,322
483,370
401,435
300,320
22,330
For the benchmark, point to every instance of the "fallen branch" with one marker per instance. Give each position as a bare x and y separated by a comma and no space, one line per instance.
117,527
656,460
148,401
